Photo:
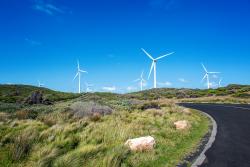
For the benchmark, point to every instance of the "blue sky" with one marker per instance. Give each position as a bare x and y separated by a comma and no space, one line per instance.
42,40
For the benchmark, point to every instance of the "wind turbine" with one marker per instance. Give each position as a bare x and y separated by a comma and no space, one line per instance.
88,87
207,75
79,71
40,84
153,66
141,79
220,83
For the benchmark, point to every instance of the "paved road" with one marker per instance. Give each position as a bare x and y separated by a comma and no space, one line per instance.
232,145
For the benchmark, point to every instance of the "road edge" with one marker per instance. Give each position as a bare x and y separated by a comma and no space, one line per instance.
201,158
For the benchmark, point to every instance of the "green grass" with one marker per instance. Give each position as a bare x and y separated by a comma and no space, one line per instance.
52,135
83,142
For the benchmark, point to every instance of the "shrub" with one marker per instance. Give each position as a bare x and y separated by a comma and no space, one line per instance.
150,105
83,109
26,114
95,117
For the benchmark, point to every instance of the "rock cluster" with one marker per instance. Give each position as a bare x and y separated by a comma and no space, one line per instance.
37,98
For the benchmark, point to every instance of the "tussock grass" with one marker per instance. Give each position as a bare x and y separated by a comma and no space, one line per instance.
96,138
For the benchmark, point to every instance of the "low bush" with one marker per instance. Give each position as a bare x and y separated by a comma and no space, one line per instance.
149,105
83,109
95,117
26,114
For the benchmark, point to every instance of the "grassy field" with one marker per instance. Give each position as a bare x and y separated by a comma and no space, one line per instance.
91,129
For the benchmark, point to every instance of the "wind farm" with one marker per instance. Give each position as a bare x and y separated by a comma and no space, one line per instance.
125,83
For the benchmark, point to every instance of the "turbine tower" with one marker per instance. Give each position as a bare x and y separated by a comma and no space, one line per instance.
207,75
141,79
153,66
79,71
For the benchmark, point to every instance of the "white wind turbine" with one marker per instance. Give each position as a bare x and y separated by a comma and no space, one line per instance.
220,83
88,87
40,84
79,71
207,75
153,66
142,80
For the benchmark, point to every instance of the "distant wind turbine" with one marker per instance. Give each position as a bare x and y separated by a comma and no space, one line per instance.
40,84
207,75
88,87
142,80
79,71
220,83
153,66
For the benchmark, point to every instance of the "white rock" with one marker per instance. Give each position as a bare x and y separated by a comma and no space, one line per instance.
141,144
186,111
181,124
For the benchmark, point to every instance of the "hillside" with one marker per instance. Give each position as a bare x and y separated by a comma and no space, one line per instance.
233,90
19,93
91,130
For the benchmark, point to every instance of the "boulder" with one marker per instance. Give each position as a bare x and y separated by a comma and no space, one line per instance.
141,143
180,125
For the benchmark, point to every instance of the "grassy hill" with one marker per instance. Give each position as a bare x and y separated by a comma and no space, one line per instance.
18,93
90,130
231,91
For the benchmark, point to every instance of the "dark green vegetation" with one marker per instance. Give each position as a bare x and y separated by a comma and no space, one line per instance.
19,93
230,94
90,129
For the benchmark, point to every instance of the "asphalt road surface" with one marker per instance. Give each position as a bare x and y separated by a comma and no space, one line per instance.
232,145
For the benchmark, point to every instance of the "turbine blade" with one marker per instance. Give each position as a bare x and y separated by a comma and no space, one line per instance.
142,74
214,72
164,56
83,71
152,66
147,54
137,80
204,67
204,77
78,66
76,76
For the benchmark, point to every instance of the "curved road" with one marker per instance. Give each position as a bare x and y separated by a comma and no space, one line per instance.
232,145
